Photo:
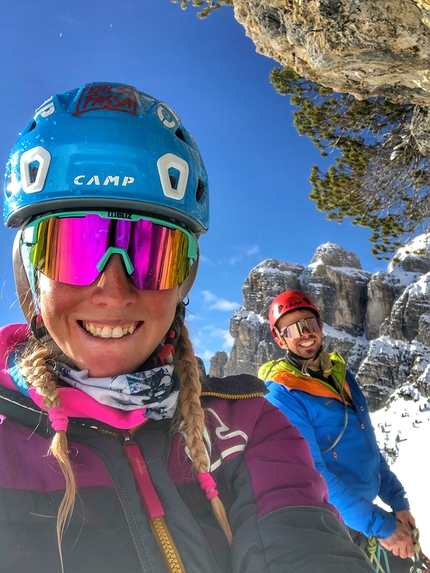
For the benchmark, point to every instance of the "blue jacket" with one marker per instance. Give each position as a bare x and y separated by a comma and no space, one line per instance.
355,470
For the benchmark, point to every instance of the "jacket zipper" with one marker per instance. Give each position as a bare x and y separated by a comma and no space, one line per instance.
152,505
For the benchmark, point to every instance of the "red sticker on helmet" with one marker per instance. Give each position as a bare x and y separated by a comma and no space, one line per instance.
107,97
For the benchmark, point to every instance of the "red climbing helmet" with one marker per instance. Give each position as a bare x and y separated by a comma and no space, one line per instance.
287,302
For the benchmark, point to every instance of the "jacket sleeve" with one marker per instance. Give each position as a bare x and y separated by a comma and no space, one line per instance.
281,519
357,512
391,492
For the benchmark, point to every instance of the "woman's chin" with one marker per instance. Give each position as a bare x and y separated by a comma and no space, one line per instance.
107,366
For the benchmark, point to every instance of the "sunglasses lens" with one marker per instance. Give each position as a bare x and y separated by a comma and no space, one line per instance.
70,250
297,329
292,331
159,256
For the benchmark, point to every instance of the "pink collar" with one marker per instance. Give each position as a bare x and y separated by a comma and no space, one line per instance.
77,404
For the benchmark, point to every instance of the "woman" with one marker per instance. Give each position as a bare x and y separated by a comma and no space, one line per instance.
154,466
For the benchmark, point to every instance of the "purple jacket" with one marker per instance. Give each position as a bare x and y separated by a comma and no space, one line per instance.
275,500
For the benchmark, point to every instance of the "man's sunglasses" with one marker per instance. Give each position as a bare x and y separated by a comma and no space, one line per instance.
297,329
74,248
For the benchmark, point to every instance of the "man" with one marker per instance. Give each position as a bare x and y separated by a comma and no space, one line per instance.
322,398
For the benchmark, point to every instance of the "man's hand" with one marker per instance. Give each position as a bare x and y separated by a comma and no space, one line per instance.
401,542
406,517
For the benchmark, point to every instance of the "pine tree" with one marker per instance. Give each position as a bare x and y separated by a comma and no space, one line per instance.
211,5
379,178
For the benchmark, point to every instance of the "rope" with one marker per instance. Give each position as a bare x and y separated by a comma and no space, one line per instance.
420,560
374,549
416,536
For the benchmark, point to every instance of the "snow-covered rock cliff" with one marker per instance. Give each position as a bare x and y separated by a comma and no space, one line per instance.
379,322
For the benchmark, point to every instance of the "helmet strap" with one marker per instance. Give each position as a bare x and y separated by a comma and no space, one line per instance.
165,351
38,329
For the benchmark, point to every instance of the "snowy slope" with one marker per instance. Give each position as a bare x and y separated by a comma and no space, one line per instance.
403,433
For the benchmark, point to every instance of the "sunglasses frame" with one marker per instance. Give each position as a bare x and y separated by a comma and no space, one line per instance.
29,235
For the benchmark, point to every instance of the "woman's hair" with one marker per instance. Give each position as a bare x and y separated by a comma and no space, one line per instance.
193,416
34,363
34,367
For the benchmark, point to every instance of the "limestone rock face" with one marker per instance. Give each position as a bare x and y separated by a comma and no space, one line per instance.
361,47
391,365
423,334
332,255
403,321
413,257
336,280
382,290
267,280
379,322
218,361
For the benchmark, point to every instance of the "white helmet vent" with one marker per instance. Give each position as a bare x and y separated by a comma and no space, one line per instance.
173,172
34,165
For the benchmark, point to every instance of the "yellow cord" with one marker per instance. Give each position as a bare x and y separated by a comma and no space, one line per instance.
372,548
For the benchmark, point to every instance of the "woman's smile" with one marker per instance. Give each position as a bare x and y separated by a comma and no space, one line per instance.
107,331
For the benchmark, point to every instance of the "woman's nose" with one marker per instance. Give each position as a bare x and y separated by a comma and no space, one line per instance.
113,285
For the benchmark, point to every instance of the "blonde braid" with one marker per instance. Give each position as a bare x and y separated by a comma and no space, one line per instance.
36,374
194,418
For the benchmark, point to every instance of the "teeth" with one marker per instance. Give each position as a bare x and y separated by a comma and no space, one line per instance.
107,331
306,344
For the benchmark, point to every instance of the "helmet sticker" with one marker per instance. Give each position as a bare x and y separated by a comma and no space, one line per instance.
167,116
46,109
106,97
173,171
33,166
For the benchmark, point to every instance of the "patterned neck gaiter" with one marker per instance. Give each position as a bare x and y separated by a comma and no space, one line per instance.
156,389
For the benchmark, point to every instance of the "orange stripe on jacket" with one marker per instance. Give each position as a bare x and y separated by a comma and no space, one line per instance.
309,385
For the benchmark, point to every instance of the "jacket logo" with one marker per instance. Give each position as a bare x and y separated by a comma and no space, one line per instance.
223,432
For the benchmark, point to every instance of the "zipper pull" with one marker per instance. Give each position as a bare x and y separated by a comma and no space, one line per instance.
126,436
148,495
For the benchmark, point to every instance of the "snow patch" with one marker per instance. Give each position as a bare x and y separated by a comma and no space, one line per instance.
402,429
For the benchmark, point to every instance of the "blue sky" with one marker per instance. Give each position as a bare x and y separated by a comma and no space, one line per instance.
208,71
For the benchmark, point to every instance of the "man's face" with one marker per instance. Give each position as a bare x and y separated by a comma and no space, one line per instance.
307,345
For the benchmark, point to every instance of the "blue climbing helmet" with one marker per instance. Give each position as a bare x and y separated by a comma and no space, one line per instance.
106,146
103,147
